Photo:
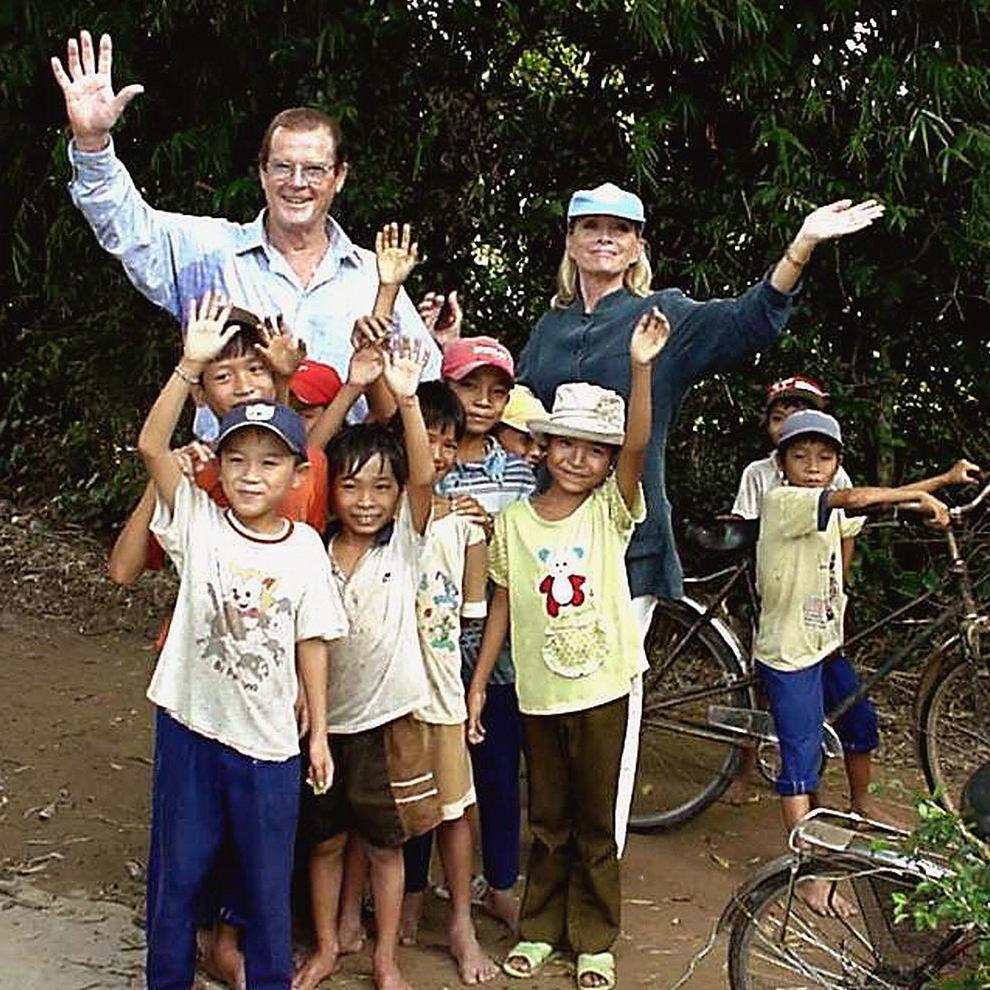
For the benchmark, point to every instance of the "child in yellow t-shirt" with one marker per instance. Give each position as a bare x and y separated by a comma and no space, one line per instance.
557,561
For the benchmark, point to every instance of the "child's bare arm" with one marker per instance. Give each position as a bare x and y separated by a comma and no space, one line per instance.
496,629
370,338
311,659
864,498
963,472
475,580
282,352
366,367
396,254
204,339
130,551
403,366
648,340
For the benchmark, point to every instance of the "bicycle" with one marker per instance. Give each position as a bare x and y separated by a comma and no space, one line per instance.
699,695
776,940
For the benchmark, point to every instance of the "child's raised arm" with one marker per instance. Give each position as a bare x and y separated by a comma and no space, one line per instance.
396,255
205,337
403,366
648,340
282,352
963,472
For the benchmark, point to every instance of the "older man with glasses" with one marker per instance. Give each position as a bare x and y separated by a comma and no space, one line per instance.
293,259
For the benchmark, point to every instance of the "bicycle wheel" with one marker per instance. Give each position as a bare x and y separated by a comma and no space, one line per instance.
779,941
953,738
679,775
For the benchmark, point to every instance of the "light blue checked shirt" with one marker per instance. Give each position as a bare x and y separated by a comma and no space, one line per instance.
172,258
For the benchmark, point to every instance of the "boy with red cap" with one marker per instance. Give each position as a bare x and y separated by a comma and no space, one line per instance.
312,388
481,372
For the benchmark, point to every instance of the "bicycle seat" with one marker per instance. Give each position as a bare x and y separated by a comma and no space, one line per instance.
724,535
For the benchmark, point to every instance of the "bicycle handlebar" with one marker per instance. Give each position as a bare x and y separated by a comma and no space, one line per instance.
958,511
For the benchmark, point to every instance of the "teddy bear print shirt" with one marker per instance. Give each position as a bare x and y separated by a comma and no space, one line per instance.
228,667
575,642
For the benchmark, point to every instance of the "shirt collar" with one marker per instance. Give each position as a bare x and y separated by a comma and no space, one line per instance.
253,237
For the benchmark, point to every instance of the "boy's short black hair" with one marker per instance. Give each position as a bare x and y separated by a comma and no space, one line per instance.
440,407
354,446
246,339
794,402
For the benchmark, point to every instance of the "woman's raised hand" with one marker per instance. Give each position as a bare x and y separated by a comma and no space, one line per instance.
90,102
839,219
649,337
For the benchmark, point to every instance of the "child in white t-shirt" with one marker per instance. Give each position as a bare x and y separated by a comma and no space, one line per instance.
256,602
558,563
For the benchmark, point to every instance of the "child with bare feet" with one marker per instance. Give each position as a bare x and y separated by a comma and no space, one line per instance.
453,574
383,790
798,647
558,563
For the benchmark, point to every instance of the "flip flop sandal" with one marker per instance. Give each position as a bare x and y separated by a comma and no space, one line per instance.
536,954
601,964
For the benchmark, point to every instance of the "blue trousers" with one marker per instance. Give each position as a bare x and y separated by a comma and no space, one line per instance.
495,763
208,798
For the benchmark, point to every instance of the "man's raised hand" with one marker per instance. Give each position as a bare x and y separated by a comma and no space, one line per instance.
90,102
205,334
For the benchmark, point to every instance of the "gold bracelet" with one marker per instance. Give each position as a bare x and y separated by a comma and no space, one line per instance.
185,376
794,261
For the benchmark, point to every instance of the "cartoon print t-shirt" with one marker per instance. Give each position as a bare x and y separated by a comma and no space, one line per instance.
228,667
575,641
439,600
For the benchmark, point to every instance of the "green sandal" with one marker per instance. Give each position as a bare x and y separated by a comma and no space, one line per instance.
600,964
536,955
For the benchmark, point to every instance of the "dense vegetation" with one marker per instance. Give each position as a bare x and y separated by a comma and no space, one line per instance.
475,120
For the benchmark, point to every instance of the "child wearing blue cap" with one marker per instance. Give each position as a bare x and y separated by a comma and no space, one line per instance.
256,604
798,646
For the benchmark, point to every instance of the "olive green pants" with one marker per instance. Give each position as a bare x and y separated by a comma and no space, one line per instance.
572,895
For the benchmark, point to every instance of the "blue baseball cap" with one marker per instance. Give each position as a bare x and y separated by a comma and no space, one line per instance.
810,421
284,422
607,199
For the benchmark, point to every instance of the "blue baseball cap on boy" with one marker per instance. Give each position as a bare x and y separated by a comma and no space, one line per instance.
607,199
805,422
284,422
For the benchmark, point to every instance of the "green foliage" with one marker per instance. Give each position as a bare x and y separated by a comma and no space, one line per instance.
958,897
475,121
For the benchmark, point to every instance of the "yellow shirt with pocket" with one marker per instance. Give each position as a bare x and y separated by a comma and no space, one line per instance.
575,641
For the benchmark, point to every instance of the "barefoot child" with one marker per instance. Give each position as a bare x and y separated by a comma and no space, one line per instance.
558,563
255,602
480,370
798,647
453,574
383,790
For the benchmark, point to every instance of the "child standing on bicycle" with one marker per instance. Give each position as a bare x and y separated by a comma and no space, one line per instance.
798,648
557,562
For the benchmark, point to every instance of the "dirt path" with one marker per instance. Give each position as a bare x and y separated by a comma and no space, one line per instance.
75,742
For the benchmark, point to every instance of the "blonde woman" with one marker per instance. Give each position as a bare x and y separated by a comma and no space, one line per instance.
603,288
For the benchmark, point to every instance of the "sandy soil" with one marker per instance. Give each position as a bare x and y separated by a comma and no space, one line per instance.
75,743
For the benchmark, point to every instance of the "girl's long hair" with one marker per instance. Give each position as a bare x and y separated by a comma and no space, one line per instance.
637,279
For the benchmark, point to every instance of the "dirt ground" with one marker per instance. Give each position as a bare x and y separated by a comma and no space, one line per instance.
75,747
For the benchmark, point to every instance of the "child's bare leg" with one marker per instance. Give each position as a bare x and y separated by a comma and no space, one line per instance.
474,964
740,791
819,895
503,905
387,880
858,773
325,870
224,959
413,905
350,930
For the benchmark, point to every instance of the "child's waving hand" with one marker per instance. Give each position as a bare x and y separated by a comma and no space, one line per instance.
281,349
205,335
404,363
397,254
366,366
649,337
963,472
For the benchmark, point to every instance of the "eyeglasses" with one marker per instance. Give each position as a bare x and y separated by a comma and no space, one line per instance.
313,174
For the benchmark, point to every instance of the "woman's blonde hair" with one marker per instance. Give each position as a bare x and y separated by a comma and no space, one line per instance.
637,279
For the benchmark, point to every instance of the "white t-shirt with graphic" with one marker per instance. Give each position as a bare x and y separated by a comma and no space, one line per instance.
228,667
376,672
439,600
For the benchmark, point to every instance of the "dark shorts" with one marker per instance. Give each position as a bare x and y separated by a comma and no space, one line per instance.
799,701
383,787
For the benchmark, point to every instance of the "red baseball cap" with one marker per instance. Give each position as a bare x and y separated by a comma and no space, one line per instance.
314,384
462,356
798,387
